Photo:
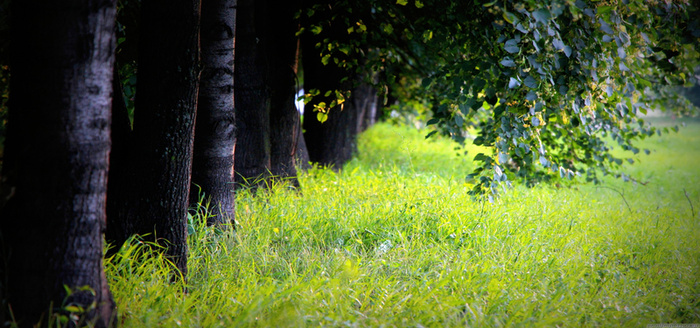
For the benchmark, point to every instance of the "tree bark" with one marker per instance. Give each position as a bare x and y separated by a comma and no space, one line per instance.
155,193
364,96
301,156
215,135
252,96
284,118
54,178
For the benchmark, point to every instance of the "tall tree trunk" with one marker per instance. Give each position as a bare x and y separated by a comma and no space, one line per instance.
252,95
301,157
119,183
284,118
156,192
215,135
364,96
54,178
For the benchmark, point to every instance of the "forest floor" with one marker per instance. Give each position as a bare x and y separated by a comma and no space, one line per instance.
394,240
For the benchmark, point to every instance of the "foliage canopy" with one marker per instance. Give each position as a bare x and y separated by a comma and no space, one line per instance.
548,86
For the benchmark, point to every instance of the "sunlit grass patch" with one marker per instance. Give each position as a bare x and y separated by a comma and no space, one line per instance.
394,240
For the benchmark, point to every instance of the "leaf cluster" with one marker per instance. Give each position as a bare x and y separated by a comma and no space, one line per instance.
550,87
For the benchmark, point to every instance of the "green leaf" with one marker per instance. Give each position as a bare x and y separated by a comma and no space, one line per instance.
541,15
459,120
605,27
478,84
427,35
510,17
513,83
321,117
558,44
511,46
563,90
621,52
507,62
433,121
568,51
625,38
531,96
535,121
388,28
402,2
530,82
481,157
73,309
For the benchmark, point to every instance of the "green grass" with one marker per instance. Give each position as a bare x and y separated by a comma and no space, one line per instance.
394,240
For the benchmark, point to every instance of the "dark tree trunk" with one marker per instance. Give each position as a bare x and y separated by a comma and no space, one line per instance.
364,97
284,117
252,95
119,183
156,195
331,143
54,178
215,135
334,142
301,156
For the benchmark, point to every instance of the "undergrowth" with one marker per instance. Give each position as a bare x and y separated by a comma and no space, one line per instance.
394,240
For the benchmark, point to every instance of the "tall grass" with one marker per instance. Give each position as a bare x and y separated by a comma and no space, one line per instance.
394,240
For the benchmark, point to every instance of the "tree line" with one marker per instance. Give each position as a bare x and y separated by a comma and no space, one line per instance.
85,156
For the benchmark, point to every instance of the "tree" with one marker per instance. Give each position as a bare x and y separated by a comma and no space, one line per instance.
215,134
333,117
252,96
543,84
55,173
331,137
266,118
152,197
282,49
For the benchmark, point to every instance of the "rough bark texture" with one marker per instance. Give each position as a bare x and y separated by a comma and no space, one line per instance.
284,117
215,135
265,80
252,95
156,186
54,178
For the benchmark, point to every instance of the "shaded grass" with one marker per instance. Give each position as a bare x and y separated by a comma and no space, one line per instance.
394,240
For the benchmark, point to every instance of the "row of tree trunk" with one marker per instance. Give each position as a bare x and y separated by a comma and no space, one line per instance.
76,167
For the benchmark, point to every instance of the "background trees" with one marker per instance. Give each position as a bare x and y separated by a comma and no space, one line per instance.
544,86
265,78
